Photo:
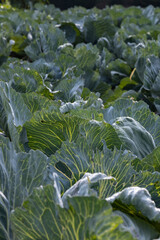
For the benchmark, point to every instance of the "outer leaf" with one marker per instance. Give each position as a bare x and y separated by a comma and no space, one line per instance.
134,136
47,130
35,102
139,111
96,28
139,228
47,68
65,58
137,203
72,160
13,105
70,88
117,164
150,75
150,163
38,219
117,70
49,221
26,80
48,40
20,173
85,109
86,55
14,112
95,221
83,186
72,32
150,181
96,131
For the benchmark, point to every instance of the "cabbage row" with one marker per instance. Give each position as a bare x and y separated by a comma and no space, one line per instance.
79,123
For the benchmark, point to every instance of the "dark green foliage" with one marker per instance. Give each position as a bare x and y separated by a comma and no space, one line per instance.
79,123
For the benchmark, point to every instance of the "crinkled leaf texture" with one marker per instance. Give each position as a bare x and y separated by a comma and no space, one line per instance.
141,217
44,217
139,111
48,129
80,215
73,159
20,173
47,40
83,186
46,107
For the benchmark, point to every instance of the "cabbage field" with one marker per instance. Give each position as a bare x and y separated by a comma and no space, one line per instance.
79,123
